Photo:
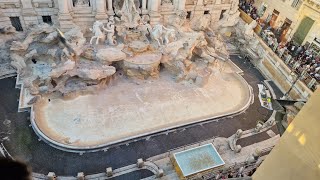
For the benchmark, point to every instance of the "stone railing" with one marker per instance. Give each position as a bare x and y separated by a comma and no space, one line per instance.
237,168
108,174
306,82
309,81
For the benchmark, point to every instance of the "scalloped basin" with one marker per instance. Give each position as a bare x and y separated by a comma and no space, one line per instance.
129,109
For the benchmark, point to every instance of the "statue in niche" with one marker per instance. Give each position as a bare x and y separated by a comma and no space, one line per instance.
110,31
81,3
166,1
231,16
144,27
129,13
234,6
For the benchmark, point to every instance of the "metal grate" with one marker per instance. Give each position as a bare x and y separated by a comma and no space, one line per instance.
15,22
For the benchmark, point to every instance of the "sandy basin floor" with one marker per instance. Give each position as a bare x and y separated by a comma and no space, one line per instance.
129,109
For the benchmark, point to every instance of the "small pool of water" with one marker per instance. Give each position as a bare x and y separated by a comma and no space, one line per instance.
198,159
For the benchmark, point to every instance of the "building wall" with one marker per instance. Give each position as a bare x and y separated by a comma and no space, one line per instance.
310,8
31,11
312,11
285,9
297,156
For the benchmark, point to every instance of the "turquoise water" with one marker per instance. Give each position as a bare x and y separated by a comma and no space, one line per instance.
198,159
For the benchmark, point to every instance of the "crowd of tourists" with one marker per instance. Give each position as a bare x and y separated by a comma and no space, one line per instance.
247,7
304,60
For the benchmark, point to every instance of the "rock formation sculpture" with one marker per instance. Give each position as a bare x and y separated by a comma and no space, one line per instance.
50,61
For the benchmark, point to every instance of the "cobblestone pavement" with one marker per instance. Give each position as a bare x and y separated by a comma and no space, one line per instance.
23,143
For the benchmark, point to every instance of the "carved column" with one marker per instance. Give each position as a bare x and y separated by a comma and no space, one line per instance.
4,20
101,14
181,4
199,9
63,7
144,7
65,19
110,8
154,6
175,4
28,13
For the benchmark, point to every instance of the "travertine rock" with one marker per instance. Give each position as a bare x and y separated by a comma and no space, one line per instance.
200,23
75,39
18,62
109,55
7,30
91,70
142,66
138,46
62,68
89,53
50,37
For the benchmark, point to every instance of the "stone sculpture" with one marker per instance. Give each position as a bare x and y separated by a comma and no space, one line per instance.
129,14
247,41
110,31
249,30
162,34
96,30
72,66
231,16
81,2
144,28
233,141
166,1
258,128
253,157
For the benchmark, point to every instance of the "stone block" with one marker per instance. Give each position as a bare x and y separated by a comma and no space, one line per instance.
80,176
109,172
160,173
140,163
51,176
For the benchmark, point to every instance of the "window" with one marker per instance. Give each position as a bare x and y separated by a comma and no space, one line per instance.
188,14
222,12
206,12
296,4
47,19
15,22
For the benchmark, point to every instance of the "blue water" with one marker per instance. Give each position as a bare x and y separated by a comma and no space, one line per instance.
198,159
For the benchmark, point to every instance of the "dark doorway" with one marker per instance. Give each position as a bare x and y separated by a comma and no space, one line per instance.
188,14
274,18
221,15
15,22
47,19
303,30
284,29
